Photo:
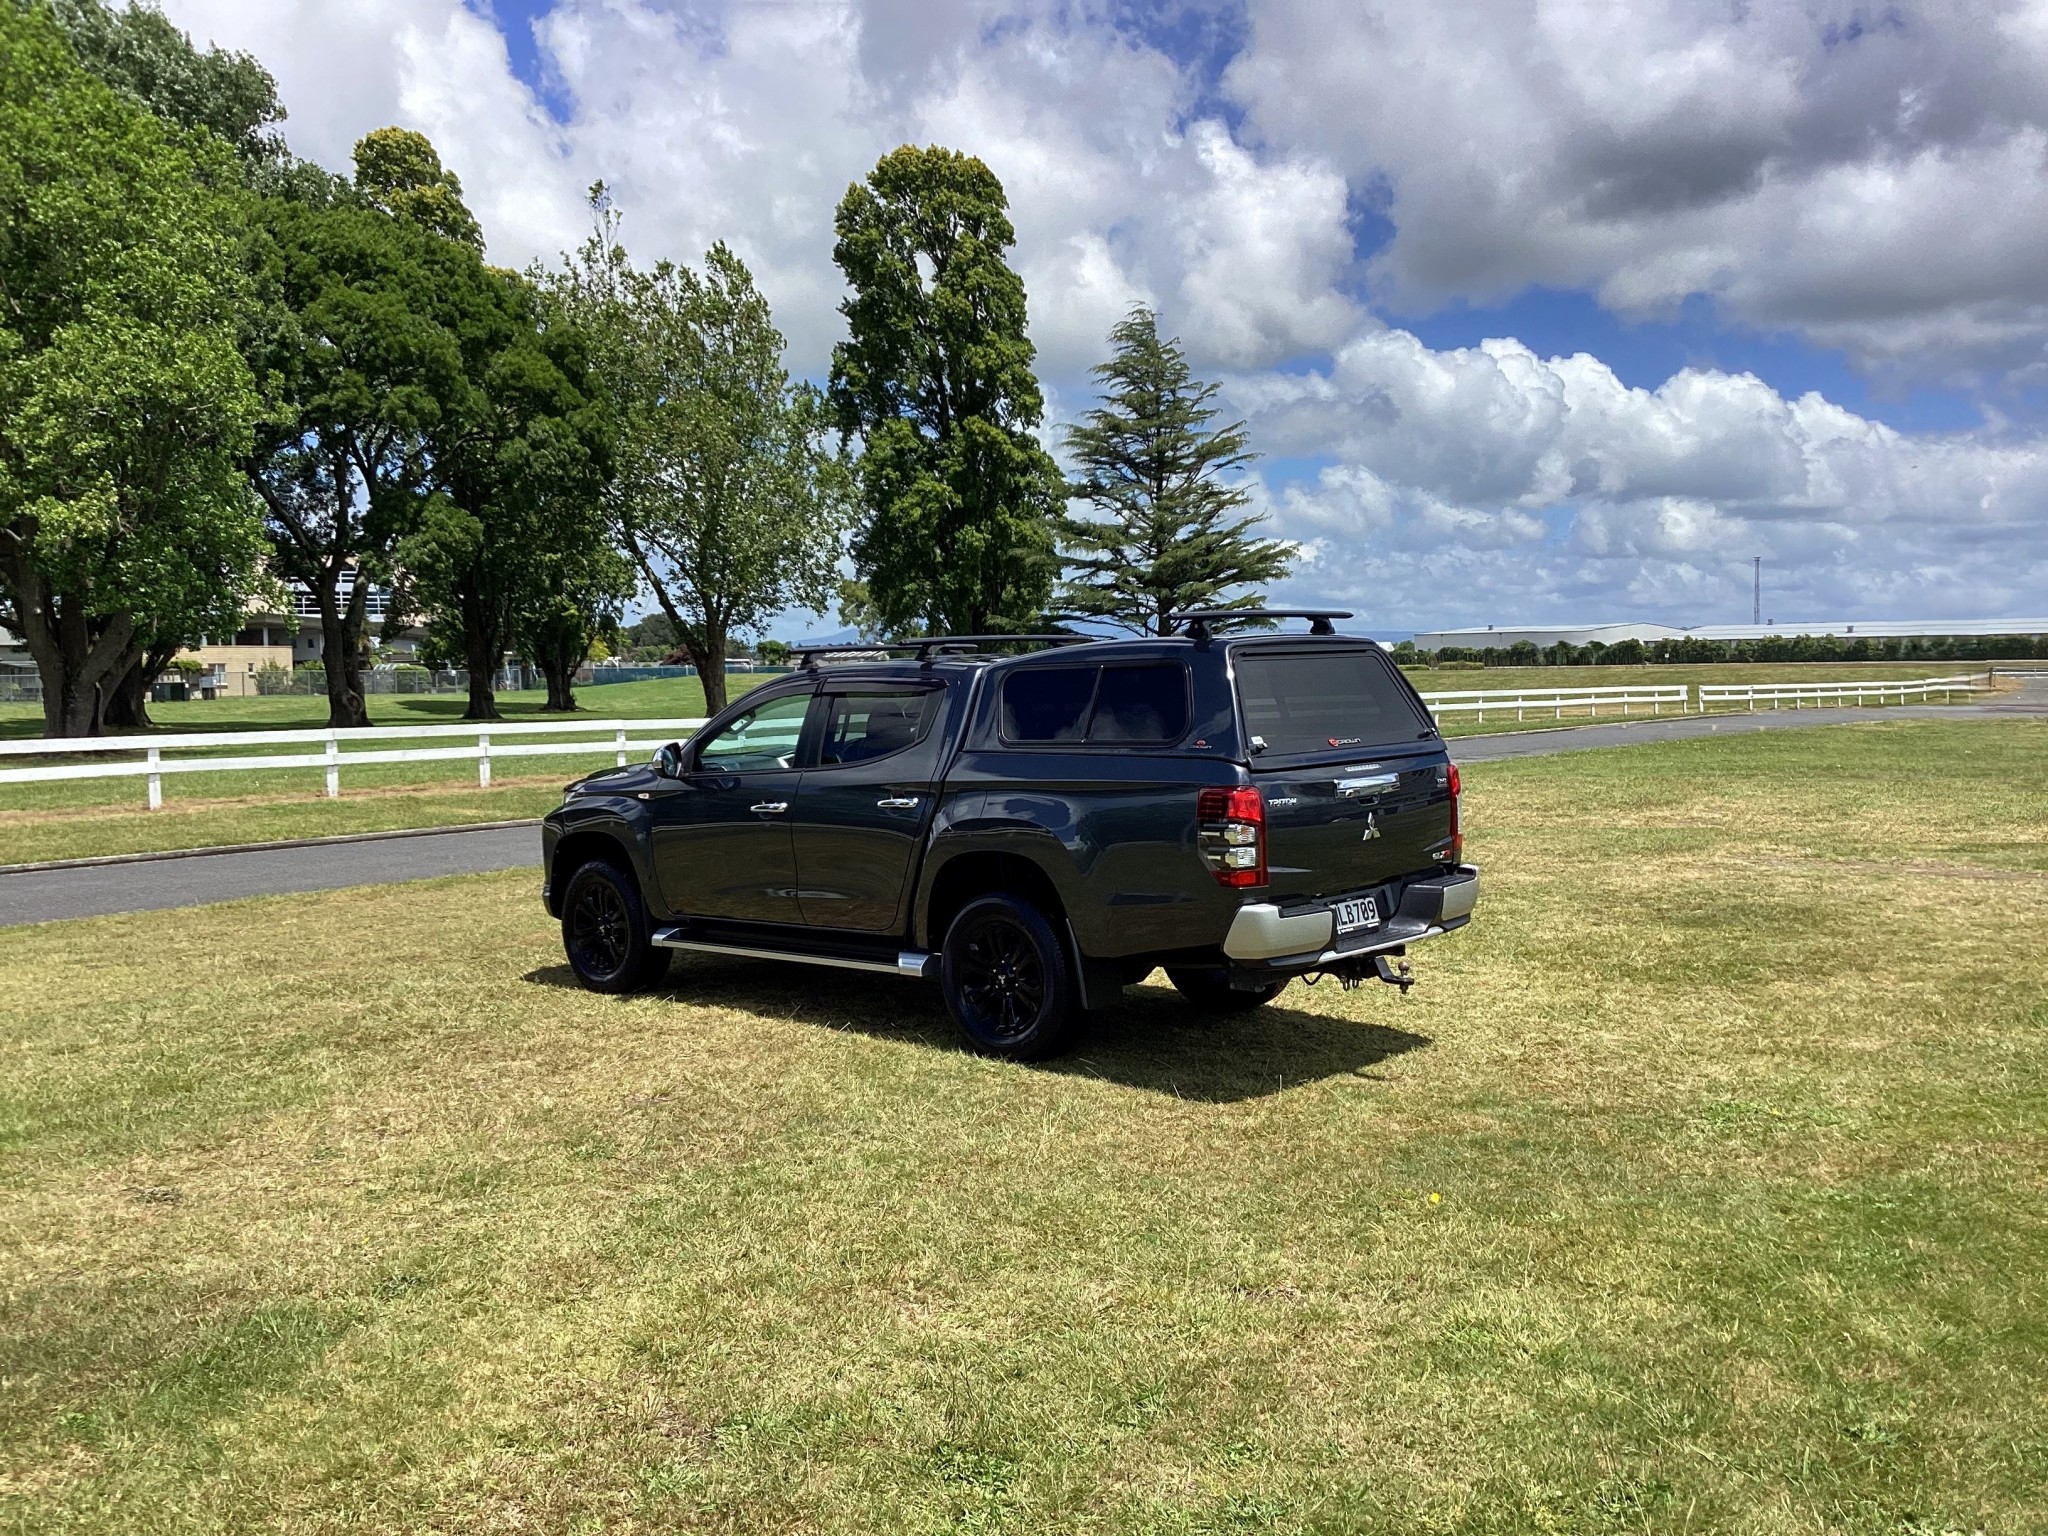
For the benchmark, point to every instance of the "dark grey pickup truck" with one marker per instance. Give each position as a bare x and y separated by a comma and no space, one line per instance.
1038,830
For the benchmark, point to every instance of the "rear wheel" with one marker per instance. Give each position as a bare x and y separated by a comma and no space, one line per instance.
1007,980
605,931
1208,988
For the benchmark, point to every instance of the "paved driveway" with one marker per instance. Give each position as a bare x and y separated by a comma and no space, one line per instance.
46,895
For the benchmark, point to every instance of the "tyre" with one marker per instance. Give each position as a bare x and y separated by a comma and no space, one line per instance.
1008,983
605,932
1208,988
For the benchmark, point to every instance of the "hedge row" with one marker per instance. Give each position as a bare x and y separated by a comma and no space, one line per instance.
1961,648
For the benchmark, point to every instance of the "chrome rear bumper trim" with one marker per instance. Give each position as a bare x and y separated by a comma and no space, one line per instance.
1260,932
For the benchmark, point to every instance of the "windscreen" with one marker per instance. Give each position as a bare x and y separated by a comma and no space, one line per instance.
1320,700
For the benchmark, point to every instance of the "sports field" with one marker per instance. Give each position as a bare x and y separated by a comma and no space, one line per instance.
1698,1187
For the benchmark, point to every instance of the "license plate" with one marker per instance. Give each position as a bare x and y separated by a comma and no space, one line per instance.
1360,912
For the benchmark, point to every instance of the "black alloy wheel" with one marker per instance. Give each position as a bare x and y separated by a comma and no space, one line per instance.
1208,988
605,933
1007,982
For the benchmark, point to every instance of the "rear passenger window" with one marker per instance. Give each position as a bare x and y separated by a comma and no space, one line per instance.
1141,704
1048,703
863,726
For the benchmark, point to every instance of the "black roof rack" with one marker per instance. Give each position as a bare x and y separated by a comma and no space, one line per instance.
931,645
1198,620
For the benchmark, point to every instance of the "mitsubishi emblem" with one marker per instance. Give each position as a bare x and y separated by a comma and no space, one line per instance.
1372,826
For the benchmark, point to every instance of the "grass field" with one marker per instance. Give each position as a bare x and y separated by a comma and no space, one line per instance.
1699,1187
109,816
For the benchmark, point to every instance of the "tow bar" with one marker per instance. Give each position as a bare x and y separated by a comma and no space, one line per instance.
1395,972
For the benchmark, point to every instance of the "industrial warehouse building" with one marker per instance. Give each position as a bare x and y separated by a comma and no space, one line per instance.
1501,637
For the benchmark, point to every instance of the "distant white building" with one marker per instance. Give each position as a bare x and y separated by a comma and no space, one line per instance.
1500,637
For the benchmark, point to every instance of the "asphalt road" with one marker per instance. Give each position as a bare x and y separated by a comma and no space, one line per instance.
39,896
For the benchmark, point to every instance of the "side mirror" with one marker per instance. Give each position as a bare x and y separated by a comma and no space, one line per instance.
668,760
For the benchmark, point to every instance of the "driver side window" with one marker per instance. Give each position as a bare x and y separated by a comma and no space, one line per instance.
759,739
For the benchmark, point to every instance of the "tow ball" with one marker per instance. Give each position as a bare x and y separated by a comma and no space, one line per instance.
1395,972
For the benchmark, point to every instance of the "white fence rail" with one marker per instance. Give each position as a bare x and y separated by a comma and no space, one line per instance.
483,743
1841,695
1655,699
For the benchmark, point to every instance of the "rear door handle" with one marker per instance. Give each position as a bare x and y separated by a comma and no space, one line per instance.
770,807
1348,788
898,803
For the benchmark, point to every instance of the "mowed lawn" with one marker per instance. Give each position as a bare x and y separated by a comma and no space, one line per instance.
1702,1185
94,817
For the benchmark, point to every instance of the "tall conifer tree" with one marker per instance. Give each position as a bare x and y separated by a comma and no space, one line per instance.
1153,468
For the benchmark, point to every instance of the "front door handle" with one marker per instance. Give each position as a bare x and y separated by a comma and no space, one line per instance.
770,807
898,803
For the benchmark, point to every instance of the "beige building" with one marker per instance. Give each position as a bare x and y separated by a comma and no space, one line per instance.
230,663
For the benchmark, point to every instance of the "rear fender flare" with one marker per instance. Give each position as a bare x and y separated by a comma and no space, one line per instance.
1047,857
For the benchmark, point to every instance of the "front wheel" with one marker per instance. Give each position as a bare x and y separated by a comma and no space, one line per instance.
1208,988
1006,978
605,931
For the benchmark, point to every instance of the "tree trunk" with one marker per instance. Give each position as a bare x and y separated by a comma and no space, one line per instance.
77,666
560,670
706,644
127,703
483,649
340,650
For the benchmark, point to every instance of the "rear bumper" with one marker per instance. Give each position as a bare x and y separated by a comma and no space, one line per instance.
1302,936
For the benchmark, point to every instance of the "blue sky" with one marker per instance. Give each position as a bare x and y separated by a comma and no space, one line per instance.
1537,312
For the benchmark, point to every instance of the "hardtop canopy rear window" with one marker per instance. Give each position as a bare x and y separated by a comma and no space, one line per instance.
1323,700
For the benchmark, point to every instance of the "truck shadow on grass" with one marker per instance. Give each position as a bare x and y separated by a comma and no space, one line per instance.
1152,1040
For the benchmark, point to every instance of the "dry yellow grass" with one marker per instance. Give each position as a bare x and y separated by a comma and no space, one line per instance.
1699,1187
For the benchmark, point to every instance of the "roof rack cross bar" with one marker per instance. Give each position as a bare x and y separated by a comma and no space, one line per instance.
939,644
923,650
1198,620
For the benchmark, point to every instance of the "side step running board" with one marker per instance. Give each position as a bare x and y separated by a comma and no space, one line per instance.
908,962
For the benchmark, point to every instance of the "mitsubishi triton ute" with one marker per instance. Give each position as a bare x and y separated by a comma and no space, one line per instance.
1035,830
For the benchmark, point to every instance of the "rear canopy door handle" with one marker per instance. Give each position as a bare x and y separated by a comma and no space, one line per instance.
1347,788
770,807
898,803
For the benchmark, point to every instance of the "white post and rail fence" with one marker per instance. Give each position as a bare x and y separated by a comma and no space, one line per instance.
153,757
338,749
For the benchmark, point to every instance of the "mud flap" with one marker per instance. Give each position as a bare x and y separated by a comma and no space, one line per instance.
1100,983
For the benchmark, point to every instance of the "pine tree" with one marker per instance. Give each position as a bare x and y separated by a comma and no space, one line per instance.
1152,468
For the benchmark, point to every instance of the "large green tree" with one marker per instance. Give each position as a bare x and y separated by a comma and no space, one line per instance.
515,523
1165,535
729,496
935,380
124,401
364,341
575,599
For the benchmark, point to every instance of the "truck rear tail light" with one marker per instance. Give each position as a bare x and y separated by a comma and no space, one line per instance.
1457,855
1231,828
